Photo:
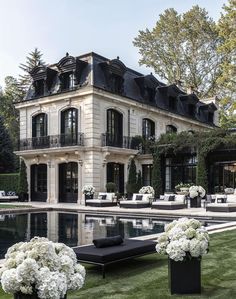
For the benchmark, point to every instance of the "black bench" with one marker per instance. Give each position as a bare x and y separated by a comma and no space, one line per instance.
109,255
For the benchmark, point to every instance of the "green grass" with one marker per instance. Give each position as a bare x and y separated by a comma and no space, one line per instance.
147,277
6,206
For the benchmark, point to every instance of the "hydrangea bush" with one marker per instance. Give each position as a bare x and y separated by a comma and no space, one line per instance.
88,190
196,191
41,267
147,190
183,239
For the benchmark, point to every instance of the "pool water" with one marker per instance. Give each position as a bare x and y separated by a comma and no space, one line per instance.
73,229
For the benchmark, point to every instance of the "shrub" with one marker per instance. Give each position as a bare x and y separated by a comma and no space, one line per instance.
9,182
111,187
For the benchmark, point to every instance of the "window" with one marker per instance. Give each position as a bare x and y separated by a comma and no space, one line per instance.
67,80
147,174
148,128
39,125
171,129
69,126
38,88
191,109
210,117
116,83
114,128
172,103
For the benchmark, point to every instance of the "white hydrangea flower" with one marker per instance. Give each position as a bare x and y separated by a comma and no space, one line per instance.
147,190
183,238
41,266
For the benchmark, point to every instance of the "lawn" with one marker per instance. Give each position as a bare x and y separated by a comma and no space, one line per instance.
147,277
6,206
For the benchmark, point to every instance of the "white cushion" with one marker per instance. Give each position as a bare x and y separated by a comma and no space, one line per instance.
98,200
224,205
231,198
167,203
180,198
2,193
109,195
144,198
133,202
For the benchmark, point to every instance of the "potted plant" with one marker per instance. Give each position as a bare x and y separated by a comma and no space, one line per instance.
196,193
185,241
147,190
111,187
88,191
41,269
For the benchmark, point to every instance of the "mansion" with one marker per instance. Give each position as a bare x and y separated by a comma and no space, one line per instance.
80,118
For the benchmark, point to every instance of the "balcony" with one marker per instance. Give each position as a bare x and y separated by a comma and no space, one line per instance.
119,141
52,141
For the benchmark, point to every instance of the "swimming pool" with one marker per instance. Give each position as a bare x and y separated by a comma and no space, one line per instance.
73,229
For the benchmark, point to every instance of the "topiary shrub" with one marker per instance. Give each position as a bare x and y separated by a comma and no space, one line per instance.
111,187
23,183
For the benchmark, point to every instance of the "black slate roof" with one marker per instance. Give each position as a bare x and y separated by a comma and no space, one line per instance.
72,73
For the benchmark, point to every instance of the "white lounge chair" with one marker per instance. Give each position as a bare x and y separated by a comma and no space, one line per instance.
138,201
4,197
178,201
223,203
104,200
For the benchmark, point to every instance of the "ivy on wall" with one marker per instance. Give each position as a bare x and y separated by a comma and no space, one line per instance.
201,143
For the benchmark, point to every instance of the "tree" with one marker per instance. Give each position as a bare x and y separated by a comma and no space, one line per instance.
8,111
156,174
7,161
183,48
227,80
23,183
33,59
131,186
139,180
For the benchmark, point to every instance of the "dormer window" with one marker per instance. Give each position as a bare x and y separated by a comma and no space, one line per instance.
210,117
67,80
172,103
116,83
191,110
38,88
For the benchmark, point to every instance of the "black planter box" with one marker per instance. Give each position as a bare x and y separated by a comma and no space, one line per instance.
88,196
185,277
195,202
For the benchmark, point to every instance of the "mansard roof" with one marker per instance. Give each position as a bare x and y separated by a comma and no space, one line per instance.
113,76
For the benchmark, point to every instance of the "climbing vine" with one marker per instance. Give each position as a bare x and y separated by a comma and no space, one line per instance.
201,143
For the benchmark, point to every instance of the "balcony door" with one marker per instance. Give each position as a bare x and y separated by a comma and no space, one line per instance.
114,128
68,182
40,131
115,174
39,182
69,127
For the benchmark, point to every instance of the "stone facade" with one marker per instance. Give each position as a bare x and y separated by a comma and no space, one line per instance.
92,156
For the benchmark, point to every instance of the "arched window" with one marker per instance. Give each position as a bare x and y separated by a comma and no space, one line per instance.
114,128
171,129
39,125
69,126
148,128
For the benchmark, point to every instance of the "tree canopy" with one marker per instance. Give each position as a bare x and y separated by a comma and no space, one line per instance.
33,59
183,48
227,79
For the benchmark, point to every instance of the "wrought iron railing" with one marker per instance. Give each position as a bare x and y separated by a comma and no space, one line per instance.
51,141
118,141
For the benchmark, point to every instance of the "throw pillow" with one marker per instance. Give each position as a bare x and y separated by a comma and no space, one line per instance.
221,200
138,197
104,196
109,241
171,198
166,197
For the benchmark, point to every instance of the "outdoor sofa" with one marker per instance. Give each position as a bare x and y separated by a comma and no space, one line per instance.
103,200
4,197
170,202
222,203
105,256
137,201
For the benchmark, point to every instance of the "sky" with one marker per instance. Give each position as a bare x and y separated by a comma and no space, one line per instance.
106,27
